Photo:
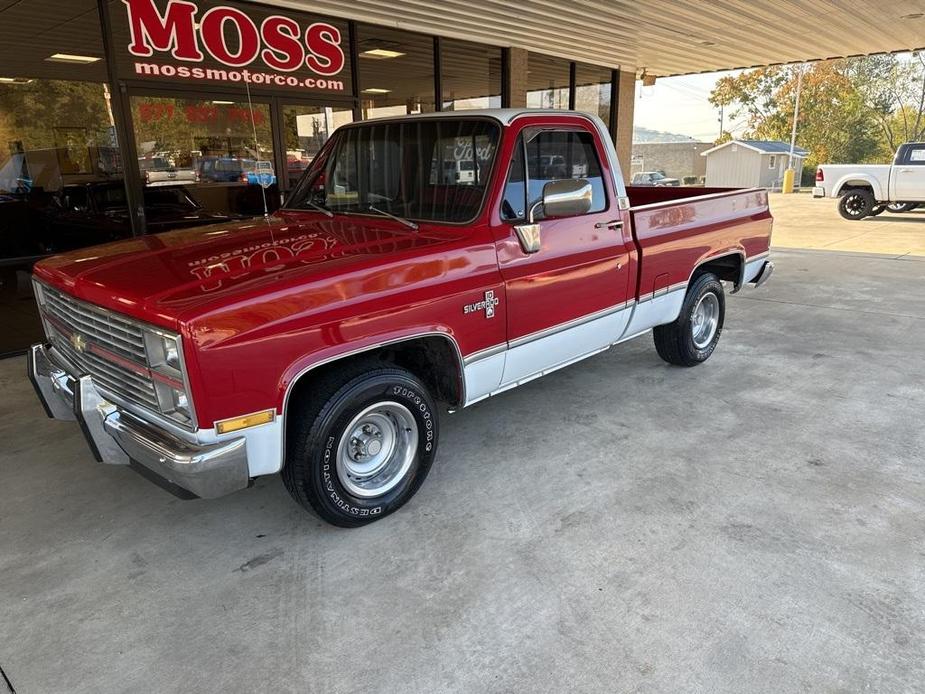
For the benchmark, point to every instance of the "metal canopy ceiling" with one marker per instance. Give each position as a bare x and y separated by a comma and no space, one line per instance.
32,31
667,37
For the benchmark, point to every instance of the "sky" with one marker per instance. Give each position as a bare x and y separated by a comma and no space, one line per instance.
679,105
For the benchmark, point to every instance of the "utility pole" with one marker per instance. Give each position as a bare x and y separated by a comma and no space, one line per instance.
790,174
721,120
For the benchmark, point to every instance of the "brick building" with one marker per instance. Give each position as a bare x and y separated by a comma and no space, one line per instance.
675,159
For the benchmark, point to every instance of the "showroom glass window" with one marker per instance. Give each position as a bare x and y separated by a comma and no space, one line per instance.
59,158
548,82
396,72
219,151
306,129
470,75
593,89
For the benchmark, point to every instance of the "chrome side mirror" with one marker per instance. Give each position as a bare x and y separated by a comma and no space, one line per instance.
568,197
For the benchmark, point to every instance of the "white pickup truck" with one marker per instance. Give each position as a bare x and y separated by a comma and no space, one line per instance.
866,190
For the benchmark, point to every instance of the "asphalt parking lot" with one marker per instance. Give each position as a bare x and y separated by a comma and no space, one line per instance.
755,524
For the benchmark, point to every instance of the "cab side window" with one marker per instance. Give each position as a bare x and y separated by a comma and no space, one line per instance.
551,155
916,155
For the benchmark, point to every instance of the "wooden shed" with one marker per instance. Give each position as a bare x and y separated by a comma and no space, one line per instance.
751,164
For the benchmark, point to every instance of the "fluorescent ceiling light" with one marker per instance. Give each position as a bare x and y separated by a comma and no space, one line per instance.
223,103
381,54
14,80
376,90
74,59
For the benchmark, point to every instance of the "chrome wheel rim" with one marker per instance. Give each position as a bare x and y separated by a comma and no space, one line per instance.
705,320
377,449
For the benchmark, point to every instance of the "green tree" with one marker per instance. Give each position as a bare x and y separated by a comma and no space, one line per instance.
852,110
894,92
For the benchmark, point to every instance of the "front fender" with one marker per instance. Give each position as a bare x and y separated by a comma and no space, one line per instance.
311,361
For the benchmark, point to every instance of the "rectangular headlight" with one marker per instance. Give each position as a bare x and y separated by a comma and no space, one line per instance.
163,352
165,357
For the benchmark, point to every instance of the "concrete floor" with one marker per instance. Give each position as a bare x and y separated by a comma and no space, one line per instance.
752,525
803,222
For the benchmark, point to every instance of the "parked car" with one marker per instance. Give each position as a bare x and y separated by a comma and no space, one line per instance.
296,163
158,171
234,170
93,213
654,178
319,344
868,190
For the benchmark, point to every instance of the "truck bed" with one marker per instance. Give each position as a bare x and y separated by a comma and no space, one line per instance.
676,229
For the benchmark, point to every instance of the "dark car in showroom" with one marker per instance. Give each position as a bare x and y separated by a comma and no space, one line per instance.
90,213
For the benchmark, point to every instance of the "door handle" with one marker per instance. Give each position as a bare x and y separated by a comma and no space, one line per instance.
905,171
614,224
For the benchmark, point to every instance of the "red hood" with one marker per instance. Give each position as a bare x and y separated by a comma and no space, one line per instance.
174,276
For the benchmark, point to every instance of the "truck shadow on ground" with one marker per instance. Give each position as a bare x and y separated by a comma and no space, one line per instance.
462,466
906,217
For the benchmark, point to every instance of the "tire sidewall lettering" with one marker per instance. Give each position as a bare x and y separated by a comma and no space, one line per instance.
332,489
706,352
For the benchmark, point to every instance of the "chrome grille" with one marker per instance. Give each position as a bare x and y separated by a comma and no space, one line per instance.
109,331
117,334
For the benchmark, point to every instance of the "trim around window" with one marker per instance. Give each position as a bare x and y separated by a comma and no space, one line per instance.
374,122
522,142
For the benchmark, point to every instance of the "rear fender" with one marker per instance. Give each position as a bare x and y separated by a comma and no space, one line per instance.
859,180
728,265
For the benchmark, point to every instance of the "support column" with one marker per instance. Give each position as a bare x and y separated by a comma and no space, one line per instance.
626,103
516,84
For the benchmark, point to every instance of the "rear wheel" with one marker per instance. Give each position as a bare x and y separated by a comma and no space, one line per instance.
857,203
900,207
360,444
692,338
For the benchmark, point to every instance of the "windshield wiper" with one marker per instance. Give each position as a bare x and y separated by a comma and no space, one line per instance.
407,222
321,208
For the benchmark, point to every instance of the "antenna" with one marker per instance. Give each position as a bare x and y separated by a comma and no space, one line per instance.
263,191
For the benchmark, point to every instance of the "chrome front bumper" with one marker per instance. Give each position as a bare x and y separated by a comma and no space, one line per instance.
117,437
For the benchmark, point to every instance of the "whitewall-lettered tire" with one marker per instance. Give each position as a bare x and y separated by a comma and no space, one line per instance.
360,444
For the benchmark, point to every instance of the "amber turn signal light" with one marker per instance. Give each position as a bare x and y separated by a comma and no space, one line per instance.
251,420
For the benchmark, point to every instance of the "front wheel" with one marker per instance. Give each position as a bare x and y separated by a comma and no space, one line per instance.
360,444
856,204
692,338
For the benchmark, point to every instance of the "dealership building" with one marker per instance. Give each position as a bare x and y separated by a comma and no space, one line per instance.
122,118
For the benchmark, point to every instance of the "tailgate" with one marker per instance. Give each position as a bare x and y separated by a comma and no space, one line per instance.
676,236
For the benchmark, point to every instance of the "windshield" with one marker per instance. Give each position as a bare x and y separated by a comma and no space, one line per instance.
427,170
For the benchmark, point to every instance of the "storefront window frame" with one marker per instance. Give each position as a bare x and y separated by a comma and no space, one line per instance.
438,71
122,89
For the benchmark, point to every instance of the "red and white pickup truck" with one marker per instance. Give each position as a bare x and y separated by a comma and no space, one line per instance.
319,342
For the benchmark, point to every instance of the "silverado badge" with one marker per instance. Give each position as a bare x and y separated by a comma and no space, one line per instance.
488,304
